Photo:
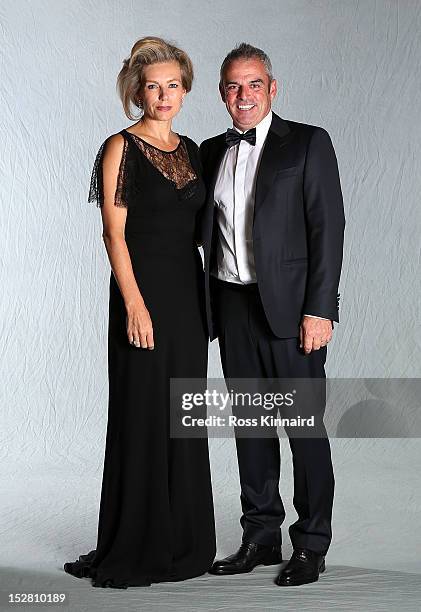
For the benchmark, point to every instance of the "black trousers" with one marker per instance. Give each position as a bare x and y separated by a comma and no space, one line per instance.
249,349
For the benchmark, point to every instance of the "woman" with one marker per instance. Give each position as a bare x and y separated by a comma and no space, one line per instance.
156,520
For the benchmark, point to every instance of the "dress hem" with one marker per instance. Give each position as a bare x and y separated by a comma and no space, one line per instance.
82,568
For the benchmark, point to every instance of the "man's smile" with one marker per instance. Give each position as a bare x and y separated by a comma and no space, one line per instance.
245,107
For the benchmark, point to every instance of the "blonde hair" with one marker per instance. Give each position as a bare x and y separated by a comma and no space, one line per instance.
147,51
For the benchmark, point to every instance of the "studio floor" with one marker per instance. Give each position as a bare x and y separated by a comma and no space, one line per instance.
49,516
340,588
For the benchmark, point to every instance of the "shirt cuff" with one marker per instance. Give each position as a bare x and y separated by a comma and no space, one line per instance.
315,317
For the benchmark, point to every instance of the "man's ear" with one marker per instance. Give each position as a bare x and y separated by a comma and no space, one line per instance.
222,92
273,88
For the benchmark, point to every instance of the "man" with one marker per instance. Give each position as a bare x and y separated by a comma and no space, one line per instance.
272,233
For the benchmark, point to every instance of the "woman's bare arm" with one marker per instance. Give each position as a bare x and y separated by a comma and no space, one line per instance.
139,324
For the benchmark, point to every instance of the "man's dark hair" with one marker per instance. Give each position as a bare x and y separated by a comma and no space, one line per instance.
246,51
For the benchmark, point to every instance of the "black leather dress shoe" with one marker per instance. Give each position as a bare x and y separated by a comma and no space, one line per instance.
247,557
303,567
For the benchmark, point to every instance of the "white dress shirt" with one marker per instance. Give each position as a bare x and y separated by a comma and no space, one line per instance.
234,201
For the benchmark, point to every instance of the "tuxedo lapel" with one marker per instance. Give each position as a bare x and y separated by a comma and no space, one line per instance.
278,136
213,164
217,155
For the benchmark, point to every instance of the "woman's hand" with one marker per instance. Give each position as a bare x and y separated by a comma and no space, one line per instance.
139,326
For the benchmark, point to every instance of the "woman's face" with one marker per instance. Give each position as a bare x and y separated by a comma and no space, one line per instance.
162,93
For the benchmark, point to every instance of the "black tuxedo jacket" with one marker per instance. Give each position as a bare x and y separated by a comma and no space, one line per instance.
298,225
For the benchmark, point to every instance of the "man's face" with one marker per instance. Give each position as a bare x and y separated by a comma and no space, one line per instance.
247,92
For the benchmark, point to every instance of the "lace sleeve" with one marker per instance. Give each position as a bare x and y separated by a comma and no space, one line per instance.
96,190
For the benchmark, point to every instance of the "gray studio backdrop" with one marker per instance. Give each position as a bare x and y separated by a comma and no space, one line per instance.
351,67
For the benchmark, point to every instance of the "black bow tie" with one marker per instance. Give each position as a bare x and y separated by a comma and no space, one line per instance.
232,137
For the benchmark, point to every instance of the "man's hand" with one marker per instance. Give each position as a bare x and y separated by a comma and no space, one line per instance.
314,333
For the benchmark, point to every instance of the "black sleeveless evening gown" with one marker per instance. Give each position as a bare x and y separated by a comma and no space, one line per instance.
156,518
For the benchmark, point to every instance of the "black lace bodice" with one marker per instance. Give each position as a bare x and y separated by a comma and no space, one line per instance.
175,166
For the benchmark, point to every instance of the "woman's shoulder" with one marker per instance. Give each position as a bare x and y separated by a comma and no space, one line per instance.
113,146
190,143
116,139
189,140
111,160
